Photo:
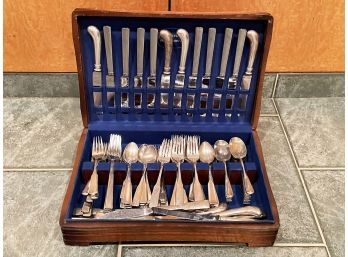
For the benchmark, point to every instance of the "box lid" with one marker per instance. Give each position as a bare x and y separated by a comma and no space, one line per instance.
236,108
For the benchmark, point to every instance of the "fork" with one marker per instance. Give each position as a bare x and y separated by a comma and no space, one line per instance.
164,155
114,154
192,155
178,156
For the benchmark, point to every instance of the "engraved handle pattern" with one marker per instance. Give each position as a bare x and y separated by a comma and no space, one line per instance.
125,51
254,42
153,51
225,51
140,50
228,187
197,50
184,37
95,34
248,188
210,50
168,47
108,49
239,51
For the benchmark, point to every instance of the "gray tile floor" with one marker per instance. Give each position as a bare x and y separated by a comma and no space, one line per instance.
311,210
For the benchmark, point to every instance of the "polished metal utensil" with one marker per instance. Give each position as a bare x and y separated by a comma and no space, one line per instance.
207,155
219,81
219,208
239,151
167,38
178,156
164,154
196,55
232,82
254,42
95,34
209,59
147,154
222,153
125,57
251,211
130,155
192,155
113,153
138,79
109,60
151,80
180,76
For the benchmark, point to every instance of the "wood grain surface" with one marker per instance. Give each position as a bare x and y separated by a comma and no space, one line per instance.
308,36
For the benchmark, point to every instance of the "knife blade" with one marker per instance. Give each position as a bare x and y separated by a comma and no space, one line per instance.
96,76
232,82
109,61
138,79
126,213
180,76
209,60
167,37
254,41
125,57
219,81
196,55
151,80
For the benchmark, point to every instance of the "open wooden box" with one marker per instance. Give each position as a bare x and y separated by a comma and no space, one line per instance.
151,125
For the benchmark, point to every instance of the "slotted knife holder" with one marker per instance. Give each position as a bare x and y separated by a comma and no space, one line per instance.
151,124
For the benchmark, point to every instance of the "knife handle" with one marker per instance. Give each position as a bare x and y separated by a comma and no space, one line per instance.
210,50
226,51
197,50
153,51
95,34
108,49
168,47
239,51
140,50
254,42
184,37
125,51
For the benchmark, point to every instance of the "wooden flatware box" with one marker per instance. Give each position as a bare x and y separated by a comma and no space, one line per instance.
143,124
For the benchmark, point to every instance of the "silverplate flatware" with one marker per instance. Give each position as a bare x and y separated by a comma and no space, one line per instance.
109,61
125,57
209,59
232,82
138,79
219,80
196,55
151,80
254,42
167,38
95,34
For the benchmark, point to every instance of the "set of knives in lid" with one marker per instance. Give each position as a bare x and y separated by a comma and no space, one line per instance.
165,83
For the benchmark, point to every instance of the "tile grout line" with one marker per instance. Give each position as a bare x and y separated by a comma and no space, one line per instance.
321,168
302,181
35,169
218,245
275,85
269,115
119,250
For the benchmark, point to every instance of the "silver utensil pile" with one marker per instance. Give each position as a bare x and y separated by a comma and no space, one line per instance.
178,149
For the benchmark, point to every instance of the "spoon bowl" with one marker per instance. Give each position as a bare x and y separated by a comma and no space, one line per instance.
147,154
130,153
206,153
237,148
222,152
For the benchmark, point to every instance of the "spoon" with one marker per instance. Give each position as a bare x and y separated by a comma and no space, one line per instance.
130,155
147,154
239,151
207,155
222,154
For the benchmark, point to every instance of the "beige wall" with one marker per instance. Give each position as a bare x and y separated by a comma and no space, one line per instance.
307,37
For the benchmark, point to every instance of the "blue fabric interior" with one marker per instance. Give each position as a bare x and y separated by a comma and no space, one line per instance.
151,126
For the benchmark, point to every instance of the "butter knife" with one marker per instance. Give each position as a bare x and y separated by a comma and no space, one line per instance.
95,34
209,59
125,57
232,82
109,62
219,81
138,79
196,55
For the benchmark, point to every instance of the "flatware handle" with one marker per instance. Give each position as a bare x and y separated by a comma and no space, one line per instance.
153,50
212,194
95,34
108,49
226,51
93,187
246,181
125,51
254,42
242,211
184,37
109,198
140,50
210,51
197,188
168,47
156,190
197,50
228,187
239,51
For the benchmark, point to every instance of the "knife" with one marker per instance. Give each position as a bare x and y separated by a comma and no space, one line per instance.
125,57
95,34
109,62
219,81
208,62
138,79
232,82
167,37
196,55
151,80
254,41
180,76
